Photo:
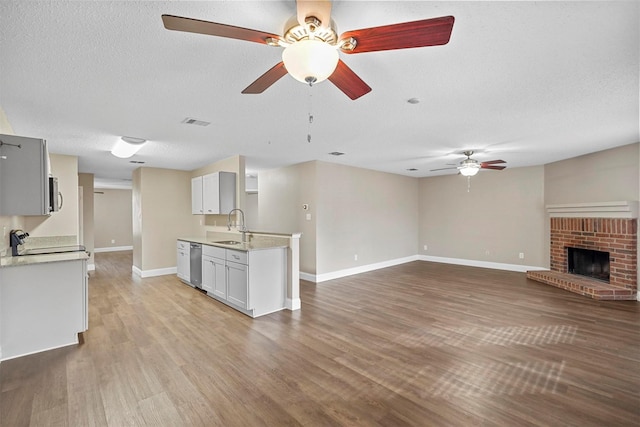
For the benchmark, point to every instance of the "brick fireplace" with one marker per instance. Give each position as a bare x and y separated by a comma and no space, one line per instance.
584,227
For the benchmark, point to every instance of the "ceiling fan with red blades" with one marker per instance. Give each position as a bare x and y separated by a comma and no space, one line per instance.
470,167
311,44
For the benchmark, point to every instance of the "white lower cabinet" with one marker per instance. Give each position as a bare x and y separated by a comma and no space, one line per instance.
252,282
183,260
237,284
214,276
42,306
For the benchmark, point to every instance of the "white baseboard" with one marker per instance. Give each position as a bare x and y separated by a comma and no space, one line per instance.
114,249
39,351
483,264
153,273
292,304
318,278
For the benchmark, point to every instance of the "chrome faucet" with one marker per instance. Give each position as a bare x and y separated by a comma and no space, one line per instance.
243,228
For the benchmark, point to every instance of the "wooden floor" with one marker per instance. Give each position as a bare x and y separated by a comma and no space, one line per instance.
420,344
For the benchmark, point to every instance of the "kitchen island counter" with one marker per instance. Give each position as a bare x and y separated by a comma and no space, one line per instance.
253,243
16,261
43,302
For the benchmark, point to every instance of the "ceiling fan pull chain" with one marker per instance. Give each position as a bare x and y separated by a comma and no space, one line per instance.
468,184
310,114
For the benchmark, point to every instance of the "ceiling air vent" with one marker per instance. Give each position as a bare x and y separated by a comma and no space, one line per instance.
136,162
190,121
336,153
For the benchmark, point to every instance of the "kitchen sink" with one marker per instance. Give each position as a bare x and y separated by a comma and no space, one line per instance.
228,242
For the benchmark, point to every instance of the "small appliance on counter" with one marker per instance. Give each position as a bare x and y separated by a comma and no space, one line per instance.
16,238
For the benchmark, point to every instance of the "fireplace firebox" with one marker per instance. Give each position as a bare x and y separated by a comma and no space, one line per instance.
587,262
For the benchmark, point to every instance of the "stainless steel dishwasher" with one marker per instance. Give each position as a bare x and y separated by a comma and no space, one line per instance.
196,265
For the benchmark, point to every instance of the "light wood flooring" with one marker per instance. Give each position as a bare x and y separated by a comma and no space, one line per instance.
420,344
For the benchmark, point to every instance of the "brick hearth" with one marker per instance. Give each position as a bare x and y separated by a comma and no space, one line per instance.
582,285
618,236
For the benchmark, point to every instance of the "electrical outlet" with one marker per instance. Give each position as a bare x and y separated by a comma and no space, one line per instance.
113,241
308,217
425,247
521,255
355,257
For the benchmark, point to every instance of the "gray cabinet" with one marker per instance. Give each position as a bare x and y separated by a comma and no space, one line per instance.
214,193
24,176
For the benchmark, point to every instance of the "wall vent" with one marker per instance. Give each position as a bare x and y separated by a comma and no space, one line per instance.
190,121
137,162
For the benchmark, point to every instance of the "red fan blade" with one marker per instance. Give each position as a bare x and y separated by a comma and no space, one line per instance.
267,79
190,25
497,168
347,81
428,32
492,162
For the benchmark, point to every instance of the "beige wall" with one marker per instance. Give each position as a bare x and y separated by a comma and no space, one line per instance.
251,211
605,176
353,211
136,214
373,215
500,216
281,194
113,218
161,214
85,181
64,222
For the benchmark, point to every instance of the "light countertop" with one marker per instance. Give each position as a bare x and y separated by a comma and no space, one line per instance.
254,243
15,261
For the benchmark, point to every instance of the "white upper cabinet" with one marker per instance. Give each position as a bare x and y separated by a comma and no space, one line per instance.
196,196
24,176
213,194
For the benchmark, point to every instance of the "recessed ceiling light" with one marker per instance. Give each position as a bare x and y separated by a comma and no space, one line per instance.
413,101
336,153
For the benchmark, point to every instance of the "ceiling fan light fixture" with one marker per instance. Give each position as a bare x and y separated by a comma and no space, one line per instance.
470,169
310,61
127,147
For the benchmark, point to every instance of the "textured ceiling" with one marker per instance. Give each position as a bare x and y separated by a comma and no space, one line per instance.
526,82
